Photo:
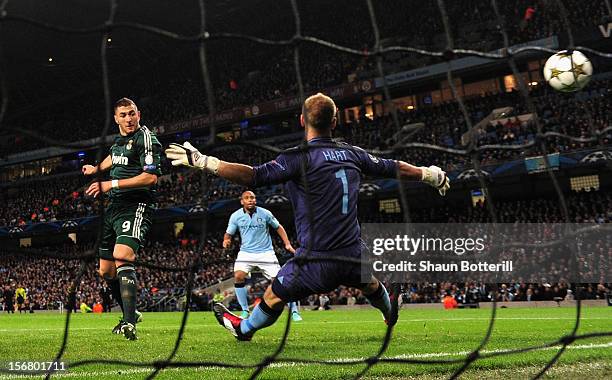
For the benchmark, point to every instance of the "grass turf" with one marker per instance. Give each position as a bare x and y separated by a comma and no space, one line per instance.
327,335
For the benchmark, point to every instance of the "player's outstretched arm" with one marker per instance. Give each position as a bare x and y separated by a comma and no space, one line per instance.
433,176
102,167
237,173
187,155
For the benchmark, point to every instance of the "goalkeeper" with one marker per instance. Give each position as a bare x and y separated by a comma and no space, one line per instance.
333,173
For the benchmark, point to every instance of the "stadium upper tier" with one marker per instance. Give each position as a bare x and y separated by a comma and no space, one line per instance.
58,197
168,90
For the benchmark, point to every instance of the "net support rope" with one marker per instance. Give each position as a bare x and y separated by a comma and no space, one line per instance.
507,53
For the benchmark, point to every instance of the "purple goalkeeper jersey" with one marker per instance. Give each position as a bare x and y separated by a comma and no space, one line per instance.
333,174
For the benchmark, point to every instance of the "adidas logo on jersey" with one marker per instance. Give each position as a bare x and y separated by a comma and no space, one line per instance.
119,160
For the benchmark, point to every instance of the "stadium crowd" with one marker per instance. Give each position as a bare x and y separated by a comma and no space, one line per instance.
467,294
583,115
270,73
48,279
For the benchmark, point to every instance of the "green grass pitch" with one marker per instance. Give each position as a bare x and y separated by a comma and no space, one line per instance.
329,335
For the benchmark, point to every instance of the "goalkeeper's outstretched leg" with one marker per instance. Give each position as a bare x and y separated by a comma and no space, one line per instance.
378,296
297,281
264,314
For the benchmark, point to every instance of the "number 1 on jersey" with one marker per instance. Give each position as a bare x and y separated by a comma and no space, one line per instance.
342,175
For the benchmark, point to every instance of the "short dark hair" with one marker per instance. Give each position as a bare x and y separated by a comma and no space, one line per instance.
319,111
247,191
124,102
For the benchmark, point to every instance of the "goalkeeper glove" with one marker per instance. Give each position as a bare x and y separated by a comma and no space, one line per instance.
435,177
188,155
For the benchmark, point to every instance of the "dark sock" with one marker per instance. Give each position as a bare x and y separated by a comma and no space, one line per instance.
380,300
113,284
126,274
262,316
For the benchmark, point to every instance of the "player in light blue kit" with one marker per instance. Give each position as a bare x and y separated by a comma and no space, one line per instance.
256,248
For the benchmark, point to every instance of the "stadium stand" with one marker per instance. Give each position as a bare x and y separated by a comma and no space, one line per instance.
270,73
61,196
38,274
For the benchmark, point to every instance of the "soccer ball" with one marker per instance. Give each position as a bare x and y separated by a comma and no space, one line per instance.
568,71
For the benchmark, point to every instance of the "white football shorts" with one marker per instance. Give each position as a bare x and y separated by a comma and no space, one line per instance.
265,261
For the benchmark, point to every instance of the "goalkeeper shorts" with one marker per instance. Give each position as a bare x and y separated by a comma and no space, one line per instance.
295,282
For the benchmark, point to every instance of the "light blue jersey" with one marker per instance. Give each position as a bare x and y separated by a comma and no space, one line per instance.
253,229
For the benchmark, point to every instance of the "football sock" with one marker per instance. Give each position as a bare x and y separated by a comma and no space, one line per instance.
293,307
113,284
380,300
262,316
126,275
241,294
